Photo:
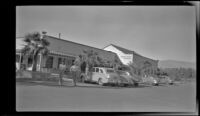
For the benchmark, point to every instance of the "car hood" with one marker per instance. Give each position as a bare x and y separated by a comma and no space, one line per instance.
154,79
130,77
118,78
125,76
124,79
112,75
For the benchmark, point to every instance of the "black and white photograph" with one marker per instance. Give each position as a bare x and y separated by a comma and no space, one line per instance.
122,58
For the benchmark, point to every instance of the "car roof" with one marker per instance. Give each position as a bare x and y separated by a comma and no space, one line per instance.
104,68
122,70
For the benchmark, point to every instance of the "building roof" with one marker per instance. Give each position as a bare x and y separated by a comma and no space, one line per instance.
75,49
19,43
126,51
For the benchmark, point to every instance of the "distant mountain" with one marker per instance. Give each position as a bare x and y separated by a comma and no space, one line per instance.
176,64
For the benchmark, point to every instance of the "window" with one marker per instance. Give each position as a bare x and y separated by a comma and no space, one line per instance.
101,71
67,62
22,59
49,62
93,69
73,62
70,61
110,71
63,61
97,69
30,61
59,62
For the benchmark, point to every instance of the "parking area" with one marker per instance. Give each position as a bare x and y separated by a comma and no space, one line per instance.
91,97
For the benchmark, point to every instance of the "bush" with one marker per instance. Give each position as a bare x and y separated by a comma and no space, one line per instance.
180,74
35,76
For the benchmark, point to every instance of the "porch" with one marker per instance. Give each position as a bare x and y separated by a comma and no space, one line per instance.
48,64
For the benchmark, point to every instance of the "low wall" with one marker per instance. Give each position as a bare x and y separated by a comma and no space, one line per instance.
40,76
30,74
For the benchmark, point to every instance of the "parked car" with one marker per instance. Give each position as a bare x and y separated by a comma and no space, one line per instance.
149,80
17,66
132,81
101,75
165,80
120,81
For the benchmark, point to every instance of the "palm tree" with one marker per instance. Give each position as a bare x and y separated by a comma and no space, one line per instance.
35,45
116,63
146,65
133,68
90,58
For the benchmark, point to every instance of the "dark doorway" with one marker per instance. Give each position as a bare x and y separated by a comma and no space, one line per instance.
83,67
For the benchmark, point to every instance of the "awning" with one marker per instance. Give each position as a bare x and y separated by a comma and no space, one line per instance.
18,51
62,54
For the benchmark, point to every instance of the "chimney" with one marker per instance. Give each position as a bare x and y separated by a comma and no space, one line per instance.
59,35
43,34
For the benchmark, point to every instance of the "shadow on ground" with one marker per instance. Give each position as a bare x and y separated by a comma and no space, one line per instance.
79,85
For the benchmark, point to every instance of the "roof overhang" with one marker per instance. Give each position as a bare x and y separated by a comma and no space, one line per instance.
61,53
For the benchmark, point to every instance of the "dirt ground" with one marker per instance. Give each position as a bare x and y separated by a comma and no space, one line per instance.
90,97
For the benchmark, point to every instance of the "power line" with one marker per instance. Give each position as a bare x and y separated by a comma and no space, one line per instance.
19,37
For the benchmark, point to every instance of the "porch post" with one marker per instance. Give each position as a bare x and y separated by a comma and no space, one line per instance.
20,57
40,62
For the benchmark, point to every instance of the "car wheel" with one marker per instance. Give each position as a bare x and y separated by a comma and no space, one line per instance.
119,84
100,81
135,84
156,84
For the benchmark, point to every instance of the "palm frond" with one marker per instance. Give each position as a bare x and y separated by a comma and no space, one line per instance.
32,37
44,52
44,42
27,40
27,50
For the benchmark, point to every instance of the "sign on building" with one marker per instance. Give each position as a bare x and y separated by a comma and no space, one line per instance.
126,58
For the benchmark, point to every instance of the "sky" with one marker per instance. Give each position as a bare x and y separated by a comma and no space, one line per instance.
157,32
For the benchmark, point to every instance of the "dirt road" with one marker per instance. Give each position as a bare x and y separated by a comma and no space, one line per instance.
172,98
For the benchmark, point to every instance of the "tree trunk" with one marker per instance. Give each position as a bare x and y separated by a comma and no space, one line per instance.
34,65
35,62
86,68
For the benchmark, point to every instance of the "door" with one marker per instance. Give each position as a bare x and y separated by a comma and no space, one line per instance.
101,75
91,75
95,75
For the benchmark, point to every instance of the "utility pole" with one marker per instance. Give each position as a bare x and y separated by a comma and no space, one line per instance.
59,35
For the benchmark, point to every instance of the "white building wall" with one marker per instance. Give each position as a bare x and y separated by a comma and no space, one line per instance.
125,58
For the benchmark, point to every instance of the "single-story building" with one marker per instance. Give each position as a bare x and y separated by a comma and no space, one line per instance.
128,56
61,50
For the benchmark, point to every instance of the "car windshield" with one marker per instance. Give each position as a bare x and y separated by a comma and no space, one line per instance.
110,71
